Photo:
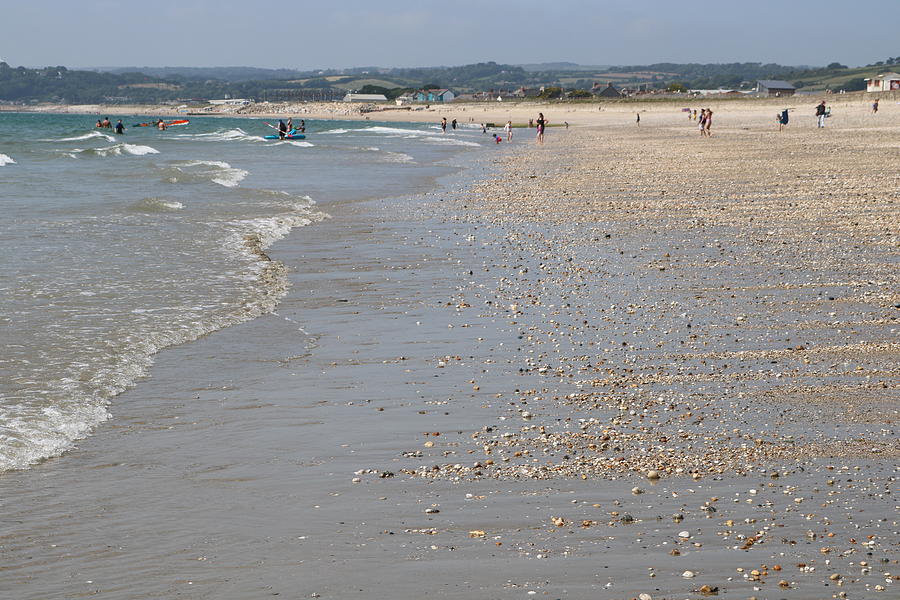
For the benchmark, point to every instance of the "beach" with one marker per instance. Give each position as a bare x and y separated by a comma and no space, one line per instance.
628,363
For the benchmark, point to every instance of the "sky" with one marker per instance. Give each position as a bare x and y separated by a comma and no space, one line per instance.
300,34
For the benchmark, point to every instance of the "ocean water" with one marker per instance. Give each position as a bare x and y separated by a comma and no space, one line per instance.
116,247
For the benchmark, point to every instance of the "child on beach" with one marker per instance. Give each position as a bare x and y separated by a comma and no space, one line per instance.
508,130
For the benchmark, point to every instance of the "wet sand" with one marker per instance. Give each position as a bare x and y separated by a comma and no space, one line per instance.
467,400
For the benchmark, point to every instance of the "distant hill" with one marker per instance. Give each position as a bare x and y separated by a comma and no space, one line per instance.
233,74
561,66
134,85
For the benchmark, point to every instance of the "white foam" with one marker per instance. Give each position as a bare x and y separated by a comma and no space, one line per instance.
221,172
451,141
138,150
158,205
5,159
334,131
118,149
228,135
300,144
397,131
87,136
398,157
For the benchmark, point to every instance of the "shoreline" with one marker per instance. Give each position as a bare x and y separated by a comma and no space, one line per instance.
576,113
447,391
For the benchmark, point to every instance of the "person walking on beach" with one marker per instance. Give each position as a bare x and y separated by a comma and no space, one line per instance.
508,130
820,114
875,106
702,122
638,119
708,123
541,123
782,119
443,124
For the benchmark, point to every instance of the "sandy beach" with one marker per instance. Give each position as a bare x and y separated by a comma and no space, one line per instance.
628,363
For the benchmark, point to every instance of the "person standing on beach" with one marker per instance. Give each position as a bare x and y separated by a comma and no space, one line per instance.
708,123
820,114
783,119
541,123
875,106
453,124
508,130
443,124
638,119
702,122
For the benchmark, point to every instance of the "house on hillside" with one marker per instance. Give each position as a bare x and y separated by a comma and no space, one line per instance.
365,98
774,87
609,91
886,82
441,95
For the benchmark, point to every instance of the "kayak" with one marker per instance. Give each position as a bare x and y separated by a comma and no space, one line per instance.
174,123
292,135
296,136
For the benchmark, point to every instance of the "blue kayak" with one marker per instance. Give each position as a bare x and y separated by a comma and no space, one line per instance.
291,135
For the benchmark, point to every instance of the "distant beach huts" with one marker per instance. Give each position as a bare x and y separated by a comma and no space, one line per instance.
435,95
774,87
886,82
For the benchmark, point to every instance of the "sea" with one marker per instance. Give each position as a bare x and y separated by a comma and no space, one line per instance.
116,247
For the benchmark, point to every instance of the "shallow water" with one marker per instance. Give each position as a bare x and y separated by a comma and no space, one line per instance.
116,246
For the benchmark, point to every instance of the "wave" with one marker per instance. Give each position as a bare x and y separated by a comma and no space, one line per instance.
87,136
228,135
334,131
397,131
216,171
5,159
118,150
398,157
451,141
157,205
298,143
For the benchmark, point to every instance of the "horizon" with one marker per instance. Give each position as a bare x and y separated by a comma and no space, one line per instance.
201,34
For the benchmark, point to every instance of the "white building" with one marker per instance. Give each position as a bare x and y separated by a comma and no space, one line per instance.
365,98
230,102
886,82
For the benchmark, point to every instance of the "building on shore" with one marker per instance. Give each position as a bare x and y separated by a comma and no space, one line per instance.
435,95
610,91
230,102
365,98
885,82
774,88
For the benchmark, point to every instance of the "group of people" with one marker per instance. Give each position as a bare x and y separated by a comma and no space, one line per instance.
453,124
286,129
106,124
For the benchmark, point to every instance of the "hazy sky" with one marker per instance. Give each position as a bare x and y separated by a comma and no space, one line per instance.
302,34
